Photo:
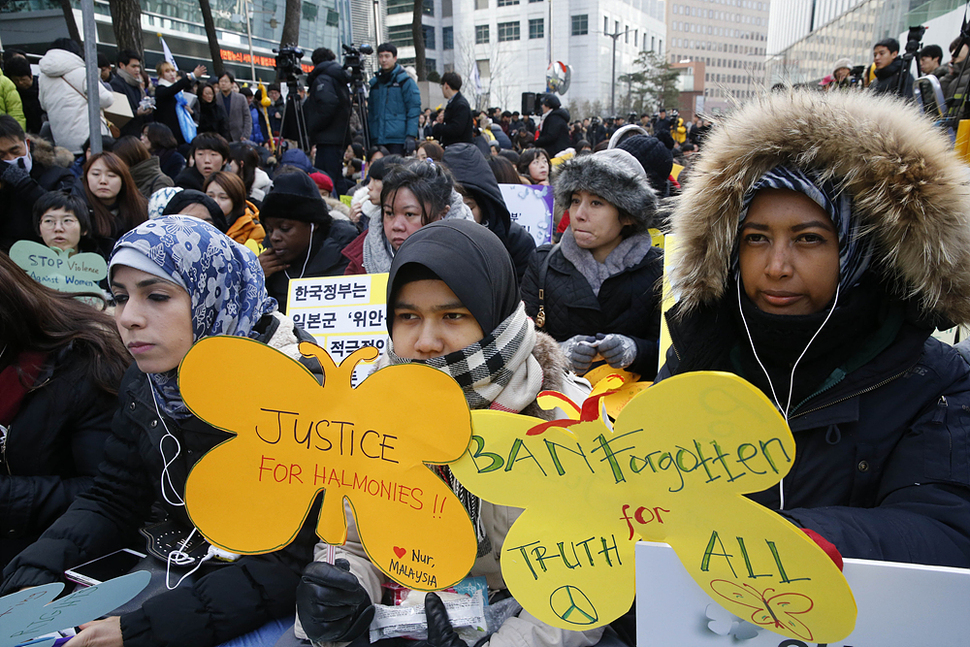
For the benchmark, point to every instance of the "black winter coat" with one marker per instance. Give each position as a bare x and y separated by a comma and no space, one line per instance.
554,135
52,450
327,106
134,94
190,178
882,459
471,170
213,118
887,79
225,601
17,200
165,103
628,303
325,260
457,125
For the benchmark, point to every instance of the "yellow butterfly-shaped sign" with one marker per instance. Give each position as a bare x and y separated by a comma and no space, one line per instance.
675,469
295,438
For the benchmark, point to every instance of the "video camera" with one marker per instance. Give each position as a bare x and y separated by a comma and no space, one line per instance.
913,40
288,66
855,74
354,63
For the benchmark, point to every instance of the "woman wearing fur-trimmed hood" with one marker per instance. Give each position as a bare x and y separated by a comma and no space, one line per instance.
817,268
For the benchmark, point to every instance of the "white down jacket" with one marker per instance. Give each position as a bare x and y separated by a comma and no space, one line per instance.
63,94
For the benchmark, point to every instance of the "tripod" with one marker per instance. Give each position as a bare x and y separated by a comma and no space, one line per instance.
302,140
359,101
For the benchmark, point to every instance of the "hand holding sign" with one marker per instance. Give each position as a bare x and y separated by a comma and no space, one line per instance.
30,613
57,269
674,469
366,446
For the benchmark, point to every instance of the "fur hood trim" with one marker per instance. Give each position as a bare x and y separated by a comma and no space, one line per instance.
909,189
49,155
609,179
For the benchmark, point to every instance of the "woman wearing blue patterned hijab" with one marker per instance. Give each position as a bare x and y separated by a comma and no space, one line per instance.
176,280
175,261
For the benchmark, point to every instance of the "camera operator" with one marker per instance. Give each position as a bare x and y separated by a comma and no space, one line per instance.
394,104
889,66
327,112
954,84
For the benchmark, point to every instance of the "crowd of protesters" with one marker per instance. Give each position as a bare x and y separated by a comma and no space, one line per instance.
794,273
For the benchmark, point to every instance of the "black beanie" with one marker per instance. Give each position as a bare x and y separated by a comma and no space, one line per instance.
187,197
654,157
295,196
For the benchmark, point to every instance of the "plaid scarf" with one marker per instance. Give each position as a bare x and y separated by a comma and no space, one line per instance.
498,372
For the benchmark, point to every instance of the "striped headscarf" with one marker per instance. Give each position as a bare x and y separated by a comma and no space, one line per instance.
855,251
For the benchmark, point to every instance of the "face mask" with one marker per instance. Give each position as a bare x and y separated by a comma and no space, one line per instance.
26,162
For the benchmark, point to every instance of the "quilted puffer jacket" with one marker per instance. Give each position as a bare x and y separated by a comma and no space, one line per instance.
628,303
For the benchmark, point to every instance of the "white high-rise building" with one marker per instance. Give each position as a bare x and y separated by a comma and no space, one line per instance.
511,42
730,38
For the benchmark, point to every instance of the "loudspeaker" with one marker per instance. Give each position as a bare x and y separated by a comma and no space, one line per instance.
528,103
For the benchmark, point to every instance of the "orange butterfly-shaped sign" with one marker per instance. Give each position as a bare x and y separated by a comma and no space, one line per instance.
366,446
674,468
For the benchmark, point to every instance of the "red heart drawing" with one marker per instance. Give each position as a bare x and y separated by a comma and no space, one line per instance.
400,551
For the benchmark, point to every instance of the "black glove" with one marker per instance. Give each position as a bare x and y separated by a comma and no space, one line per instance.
409,145
13,176
440,632
331,603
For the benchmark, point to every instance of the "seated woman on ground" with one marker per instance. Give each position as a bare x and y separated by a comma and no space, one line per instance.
242,216
302,239
821,283
63,221
413,194
209,153
365,205
452,296
60,368
189,202
116,205
161,144
244,162
143,166
534,166
596,291
176,280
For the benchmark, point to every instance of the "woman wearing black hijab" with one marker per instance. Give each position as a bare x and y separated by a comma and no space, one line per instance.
453,304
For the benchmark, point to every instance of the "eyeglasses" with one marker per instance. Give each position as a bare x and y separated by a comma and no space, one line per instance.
49,222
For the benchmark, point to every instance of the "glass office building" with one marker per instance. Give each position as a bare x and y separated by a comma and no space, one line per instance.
31,25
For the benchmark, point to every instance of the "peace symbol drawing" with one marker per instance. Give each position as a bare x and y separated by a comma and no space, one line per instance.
674,468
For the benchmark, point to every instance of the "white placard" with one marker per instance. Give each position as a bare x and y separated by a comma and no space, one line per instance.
900,605
531,207
343,313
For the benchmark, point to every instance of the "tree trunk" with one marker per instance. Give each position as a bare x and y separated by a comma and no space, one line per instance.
291,24
417,31
72,29
126,23
210,33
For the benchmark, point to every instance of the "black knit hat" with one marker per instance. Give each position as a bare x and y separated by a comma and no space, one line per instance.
295,196
188,197
654,157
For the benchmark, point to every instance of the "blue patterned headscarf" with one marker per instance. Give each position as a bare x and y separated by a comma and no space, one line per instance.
223,278
855,252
